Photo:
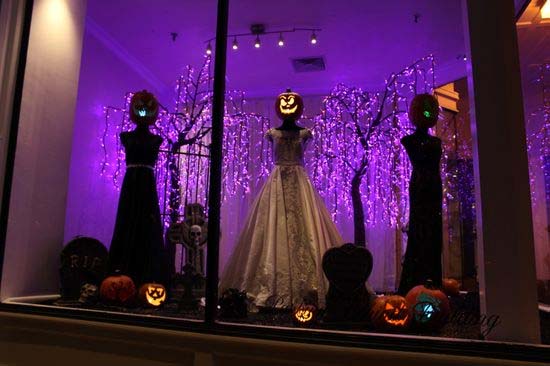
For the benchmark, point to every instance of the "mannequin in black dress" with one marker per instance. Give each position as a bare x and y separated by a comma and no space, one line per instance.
424,239
137,248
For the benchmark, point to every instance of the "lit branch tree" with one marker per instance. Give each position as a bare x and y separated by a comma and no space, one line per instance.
359,136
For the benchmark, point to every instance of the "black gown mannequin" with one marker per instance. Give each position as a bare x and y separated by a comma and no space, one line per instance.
137,247
424,243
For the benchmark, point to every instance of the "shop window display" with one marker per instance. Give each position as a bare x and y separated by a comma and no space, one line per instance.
347,193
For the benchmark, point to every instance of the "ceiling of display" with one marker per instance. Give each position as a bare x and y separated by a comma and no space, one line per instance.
361,41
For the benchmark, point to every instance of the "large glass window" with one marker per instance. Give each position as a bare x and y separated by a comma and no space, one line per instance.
352,172
108,179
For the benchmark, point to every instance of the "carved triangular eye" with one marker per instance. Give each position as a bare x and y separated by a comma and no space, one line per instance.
389,306
283,102
402,306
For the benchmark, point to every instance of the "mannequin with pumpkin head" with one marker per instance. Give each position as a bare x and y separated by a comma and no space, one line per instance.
137,248
288,227
424,236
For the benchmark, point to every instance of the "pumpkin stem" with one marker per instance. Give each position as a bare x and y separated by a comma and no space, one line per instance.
429,284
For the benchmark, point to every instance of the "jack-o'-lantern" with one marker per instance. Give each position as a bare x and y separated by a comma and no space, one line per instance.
152,294
305,315
430,306
117,289
289,105
424,111
144,108
391,313
451,287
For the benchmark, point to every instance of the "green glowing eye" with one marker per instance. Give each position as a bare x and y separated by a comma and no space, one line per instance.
427,114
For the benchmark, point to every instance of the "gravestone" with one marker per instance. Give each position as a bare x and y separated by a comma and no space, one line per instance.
347,268
83,261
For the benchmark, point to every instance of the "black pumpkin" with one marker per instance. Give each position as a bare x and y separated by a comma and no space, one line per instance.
424,111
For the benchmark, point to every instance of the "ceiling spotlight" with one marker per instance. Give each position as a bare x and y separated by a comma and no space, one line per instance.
235,44
281,42
545,10
257,43
209,49
313,38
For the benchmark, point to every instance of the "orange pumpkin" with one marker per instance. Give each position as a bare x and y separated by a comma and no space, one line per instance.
424,111
152,294
305,315
144,108
289,105
430,306
117,289
451,287
391,313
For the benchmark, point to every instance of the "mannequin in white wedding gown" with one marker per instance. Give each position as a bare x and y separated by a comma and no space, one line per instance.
278,256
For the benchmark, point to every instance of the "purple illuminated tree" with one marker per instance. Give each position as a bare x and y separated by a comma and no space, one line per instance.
183,166
358,139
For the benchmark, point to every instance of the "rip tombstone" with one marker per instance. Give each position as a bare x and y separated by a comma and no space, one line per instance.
347,268
83,261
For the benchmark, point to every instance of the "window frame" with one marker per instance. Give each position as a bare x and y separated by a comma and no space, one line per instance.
210,325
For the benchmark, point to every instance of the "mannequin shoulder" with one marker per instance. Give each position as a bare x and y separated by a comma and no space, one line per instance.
306,133
270,133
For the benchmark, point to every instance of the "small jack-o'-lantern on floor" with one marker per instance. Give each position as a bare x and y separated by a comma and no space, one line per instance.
144,108
430,306
391,313
424,111
451,287
117,289
152,294
289,105
304,315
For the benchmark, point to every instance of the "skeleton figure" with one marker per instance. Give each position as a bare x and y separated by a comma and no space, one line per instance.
192,233
88,294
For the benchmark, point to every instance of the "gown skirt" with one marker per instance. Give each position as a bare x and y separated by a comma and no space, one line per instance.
277,259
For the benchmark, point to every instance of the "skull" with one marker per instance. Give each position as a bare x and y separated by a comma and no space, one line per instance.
195,233
88,293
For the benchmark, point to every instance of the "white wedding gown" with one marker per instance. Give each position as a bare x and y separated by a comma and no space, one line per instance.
277,259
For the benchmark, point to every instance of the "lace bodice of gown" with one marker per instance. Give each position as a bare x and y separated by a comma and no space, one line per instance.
289,146
142,148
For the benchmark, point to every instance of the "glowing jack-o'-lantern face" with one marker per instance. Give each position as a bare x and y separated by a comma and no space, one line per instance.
144,108
289,105
305,314
395,315
429,305
152,294
424,111
391,312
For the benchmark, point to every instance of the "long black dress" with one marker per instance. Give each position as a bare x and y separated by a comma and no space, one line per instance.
425,237
137,247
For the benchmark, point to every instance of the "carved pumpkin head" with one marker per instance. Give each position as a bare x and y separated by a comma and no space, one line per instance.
117,289
391,313
152,294
305,314
430,306
144,108
424,111
289,105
